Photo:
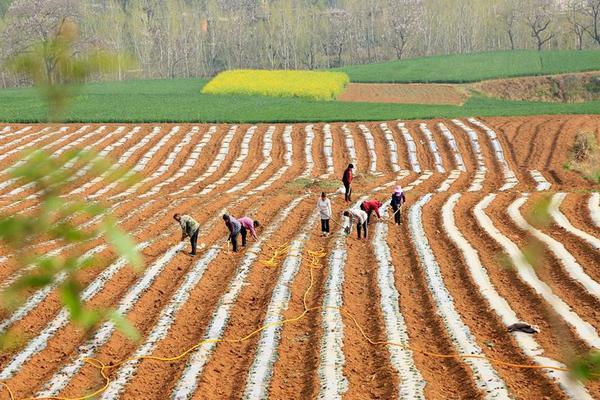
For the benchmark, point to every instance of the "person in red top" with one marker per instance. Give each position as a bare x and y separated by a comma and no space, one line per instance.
248,226
369,206
347,180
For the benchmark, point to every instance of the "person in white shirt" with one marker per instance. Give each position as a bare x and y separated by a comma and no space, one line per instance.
324,207
361,222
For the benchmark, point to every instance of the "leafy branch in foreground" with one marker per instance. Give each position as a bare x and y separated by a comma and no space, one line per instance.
62,219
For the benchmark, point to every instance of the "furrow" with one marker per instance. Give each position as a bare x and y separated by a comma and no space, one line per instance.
527,273
40,342
9,134
288,155
267,161
214,166
459,163
412,384
481,172
43,293
510,179
237,164
57,153
124,158
162,327
103,153
433,147
349,141
566,259
23,138
60,380
485,375
140,165
594,206
542,184
261,371
413,158
308,143
370,148
333,382
164,167
188,382
500,306
564,223
27,145
189,164
392,147
328,150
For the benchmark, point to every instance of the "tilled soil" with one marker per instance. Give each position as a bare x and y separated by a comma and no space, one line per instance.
366,370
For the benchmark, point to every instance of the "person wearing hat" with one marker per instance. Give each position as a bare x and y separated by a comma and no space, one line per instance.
347,180
398,199
324,207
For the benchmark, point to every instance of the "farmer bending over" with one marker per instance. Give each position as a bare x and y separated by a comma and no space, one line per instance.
189,228
248,225
361,221
369,206
234,227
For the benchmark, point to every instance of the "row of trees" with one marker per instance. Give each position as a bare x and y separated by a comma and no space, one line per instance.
189,38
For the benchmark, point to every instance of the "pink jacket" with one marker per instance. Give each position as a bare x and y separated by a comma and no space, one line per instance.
249,225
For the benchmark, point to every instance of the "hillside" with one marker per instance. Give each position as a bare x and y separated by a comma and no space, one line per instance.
462,68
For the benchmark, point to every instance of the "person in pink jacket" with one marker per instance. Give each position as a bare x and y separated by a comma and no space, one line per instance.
248,225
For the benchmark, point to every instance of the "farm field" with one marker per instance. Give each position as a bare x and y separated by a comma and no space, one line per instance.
463,68
180,100
403,93
449,280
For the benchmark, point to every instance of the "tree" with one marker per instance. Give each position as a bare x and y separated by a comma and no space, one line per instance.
402,20
510,18
577,21
592,9
538,19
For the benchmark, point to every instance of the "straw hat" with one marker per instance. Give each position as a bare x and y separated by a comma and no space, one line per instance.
398,190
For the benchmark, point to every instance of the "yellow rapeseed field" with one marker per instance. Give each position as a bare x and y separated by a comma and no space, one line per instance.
308,84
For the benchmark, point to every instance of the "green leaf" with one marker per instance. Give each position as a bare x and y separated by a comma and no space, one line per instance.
124,326
123,243
69,295
586,368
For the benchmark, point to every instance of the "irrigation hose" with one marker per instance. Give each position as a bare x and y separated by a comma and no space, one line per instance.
314,261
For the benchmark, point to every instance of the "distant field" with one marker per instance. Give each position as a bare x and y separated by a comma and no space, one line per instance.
405,93
476,67
312,85
180,100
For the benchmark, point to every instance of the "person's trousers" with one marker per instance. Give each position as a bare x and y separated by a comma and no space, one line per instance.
244,232
325,225
348,194
369,216
364,229
194,240
397,216
234,236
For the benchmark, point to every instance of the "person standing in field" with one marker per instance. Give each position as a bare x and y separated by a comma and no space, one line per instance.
398,199
347,181
189,228
324,207
248,225
358,216
235,227
369,206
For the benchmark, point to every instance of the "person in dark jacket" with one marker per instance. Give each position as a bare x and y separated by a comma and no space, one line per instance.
347,180
369,206
235,228
398,199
